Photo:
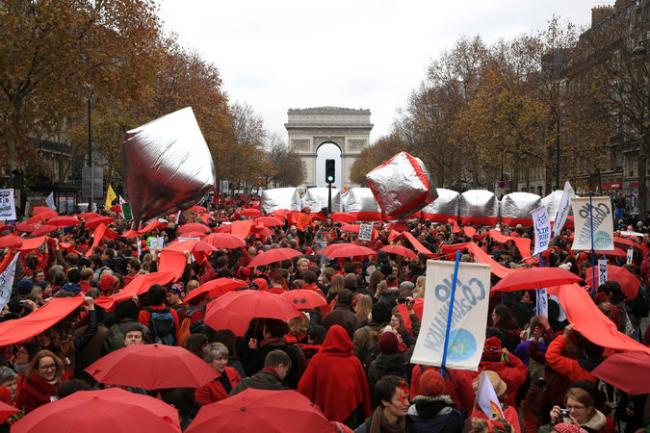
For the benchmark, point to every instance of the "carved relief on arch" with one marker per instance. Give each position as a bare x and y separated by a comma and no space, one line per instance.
301,144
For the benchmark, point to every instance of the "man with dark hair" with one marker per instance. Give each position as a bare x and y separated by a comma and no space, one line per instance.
343,314
276,367
390,416
161,320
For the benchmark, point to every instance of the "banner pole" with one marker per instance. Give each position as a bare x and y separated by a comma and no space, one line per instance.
594,283
450,315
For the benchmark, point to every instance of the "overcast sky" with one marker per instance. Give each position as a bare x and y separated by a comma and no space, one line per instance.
276,55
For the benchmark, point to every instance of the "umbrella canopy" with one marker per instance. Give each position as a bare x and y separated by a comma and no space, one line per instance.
216,288
270,221
336,251
43,230
252,213
400,251
94,222
11,241
273,256
535,278
63,221
616,252
152,366
350,228
234,310
6,411
42,216
25,227
256,410
190,235
40,209
193,246
197,209
107,411
628,281
193,227
304,299
88,215
224,240
627,371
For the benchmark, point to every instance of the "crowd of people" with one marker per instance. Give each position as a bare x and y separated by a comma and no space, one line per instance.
350,357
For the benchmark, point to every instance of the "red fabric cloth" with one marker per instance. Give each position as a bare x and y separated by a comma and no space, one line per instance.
214,391
564,365
33,392
335,372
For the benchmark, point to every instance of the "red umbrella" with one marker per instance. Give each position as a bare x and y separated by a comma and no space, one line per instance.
304,299
88,215
627,371
193,227
93,223
101,411
40,209
350,228
197,209
216,288
6,411
152,366
535,278
130,234
336,251
616,252
25,227
11,241
253,213
400,251
256,410
224,240
628,281
270,221
193,246
42,216
234,310
43,230
273,256
190,235
63,221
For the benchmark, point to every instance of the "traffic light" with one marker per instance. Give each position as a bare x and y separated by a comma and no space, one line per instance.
330,165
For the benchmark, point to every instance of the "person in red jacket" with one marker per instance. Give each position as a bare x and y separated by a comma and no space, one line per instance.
508,366
161,330
573,369
39,383
217,356
336,381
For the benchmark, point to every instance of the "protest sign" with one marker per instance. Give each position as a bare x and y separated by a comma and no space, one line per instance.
7,204
541,307
365,232
542,229
468,321
563,209
602,271
486,397
630,256
603,224
7,281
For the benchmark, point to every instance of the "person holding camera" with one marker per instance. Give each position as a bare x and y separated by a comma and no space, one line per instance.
580,410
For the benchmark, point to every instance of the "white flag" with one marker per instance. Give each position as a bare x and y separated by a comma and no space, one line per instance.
7,281
121,200
542,229
49,201
563,209
486,398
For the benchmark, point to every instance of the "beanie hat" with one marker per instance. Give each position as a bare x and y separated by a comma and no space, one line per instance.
432,384
565,427
71,288
24,287
261,284
106,283
388,343
380,313
492,350
177,288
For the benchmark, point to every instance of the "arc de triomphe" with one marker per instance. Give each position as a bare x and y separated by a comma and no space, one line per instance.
314,130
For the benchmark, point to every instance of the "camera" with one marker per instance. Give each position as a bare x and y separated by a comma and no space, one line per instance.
564,412
23,302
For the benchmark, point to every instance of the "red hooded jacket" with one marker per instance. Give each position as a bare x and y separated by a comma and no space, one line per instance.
335,372
214,390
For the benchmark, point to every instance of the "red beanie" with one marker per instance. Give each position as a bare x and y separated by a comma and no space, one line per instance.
432,384
492,350
388,343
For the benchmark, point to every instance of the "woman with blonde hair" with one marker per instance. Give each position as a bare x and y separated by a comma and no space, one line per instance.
418,292
363,309
40,381
338,284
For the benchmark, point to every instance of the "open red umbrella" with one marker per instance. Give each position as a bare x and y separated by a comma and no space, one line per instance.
273,256
193,227
252,213
234,310
190,235
44,229
40,209
11,241
256,410
88,215
224,240
270,221
63,221
400,251
616,252
197,209
152,366
535,278
6,411
336,251
216,288
304,299
25,227
192,245
628,281
627,371
350,228
93,223
101,411
42,216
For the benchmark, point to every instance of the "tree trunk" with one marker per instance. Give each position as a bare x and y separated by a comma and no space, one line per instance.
642,161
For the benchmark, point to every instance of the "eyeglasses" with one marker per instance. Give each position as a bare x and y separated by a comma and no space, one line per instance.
575,407
47,367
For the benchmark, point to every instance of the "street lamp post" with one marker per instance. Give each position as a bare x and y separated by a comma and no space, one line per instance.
639,52
90,157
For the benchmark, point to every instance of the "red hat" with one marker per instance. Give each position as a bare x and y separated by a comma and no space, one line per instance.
492,350
432,384
565,427
261,283
107,283
388,343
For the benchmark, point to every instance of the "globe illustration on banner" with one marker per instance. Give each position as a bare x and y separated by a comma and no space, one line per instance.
462,345
602,240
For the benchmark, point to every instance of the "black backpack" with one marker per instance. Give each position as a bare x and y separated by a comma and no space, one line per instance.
162,326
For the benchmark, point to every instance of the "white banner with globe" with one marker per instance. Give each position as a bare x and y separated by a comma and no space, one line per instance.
603,223
469,318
